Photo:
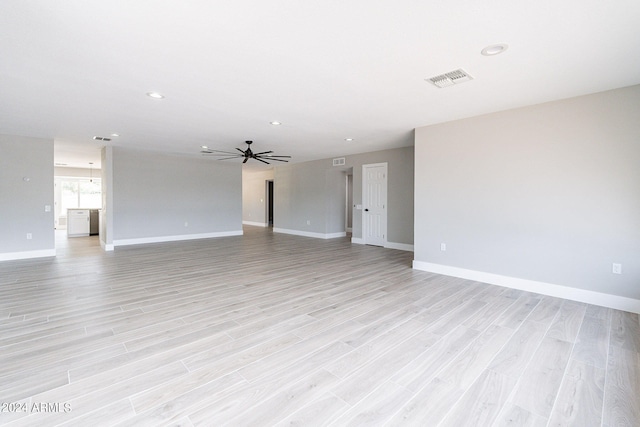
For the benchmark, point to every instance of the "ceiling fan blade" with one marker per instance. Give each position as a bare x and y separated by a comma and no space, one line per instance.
288,157
260,160
245,160
277,160
217,151
240,150
227,158
264,152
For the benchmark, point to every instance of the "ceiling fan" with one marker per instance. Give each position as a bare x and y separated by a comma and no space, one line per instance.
246,154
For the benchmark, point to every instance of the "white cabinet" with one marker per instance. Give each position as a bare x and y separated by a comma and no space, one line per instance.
77,222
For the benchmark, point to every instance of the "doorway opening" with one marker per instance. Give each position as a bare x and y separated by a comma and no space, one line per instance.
74,193
269,204
77,202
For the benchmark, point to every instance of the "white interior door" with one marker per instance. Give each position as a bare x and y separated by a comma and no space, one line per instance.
374,204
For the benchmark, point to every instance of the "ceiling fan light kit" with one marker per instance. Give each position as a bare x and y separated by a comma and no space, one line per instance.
244,154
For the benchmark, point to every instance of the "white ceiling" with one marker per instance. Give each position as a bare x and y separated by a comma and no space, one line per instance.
327,70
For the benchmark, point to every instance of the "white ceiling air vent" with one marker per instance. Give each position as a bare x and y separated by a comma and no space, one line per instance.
451,78
338,162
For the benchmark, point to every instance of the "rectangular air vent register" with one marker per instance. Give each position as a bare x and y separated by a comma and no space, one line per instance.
451,78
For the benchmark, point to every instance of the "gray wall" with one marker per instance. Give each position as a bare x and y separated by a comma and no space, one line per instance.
301,193
22,203
155,194
399,191
254,203
549,193
106,214
335,201
316,191
350,203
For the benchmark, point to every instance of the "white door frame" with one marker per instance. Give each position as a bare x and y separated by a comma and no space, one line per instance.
380,239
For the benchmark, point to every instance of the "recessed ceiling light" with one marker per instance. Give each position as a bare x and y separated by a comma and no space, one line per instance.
494,49
204,147
348,139
275,123
115,135
155,95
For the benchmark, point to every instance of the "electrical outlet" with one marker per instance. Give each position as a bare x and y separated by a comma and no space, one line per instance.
29,236
443,247
617,268
47,208
308,222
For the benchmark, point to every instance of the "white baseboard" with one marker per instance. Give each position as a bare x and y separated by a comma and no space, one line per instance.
27,254
399,246
388,245
310,233
256,224
105,247
559,291
336,235
160,239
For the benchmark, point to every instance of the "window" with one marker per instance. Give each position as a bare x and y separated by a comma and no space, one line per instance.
79,193
90,194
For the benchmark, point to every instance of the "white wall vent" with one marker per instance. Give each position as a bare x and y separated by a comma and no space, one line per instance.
451,78
339,162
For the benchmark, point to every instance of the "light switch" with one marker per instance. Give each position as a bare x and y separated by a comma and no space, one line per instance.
47,208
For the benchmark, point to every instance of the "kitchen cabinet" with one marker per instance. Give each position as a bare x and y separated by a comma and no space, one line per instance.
77,222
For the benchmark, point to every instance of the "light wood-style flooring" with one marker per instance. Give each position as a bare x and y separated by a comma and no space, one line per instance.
271,329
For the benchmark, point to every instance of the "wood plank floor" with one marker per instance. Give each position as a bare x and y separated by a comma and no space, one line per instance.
271,329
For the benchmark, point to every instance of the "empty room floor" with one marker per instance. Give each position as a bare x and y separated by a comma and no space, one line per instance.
271,329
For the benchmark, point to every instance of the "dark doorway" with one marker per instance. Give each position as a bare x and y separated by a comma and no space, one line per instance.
270,203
